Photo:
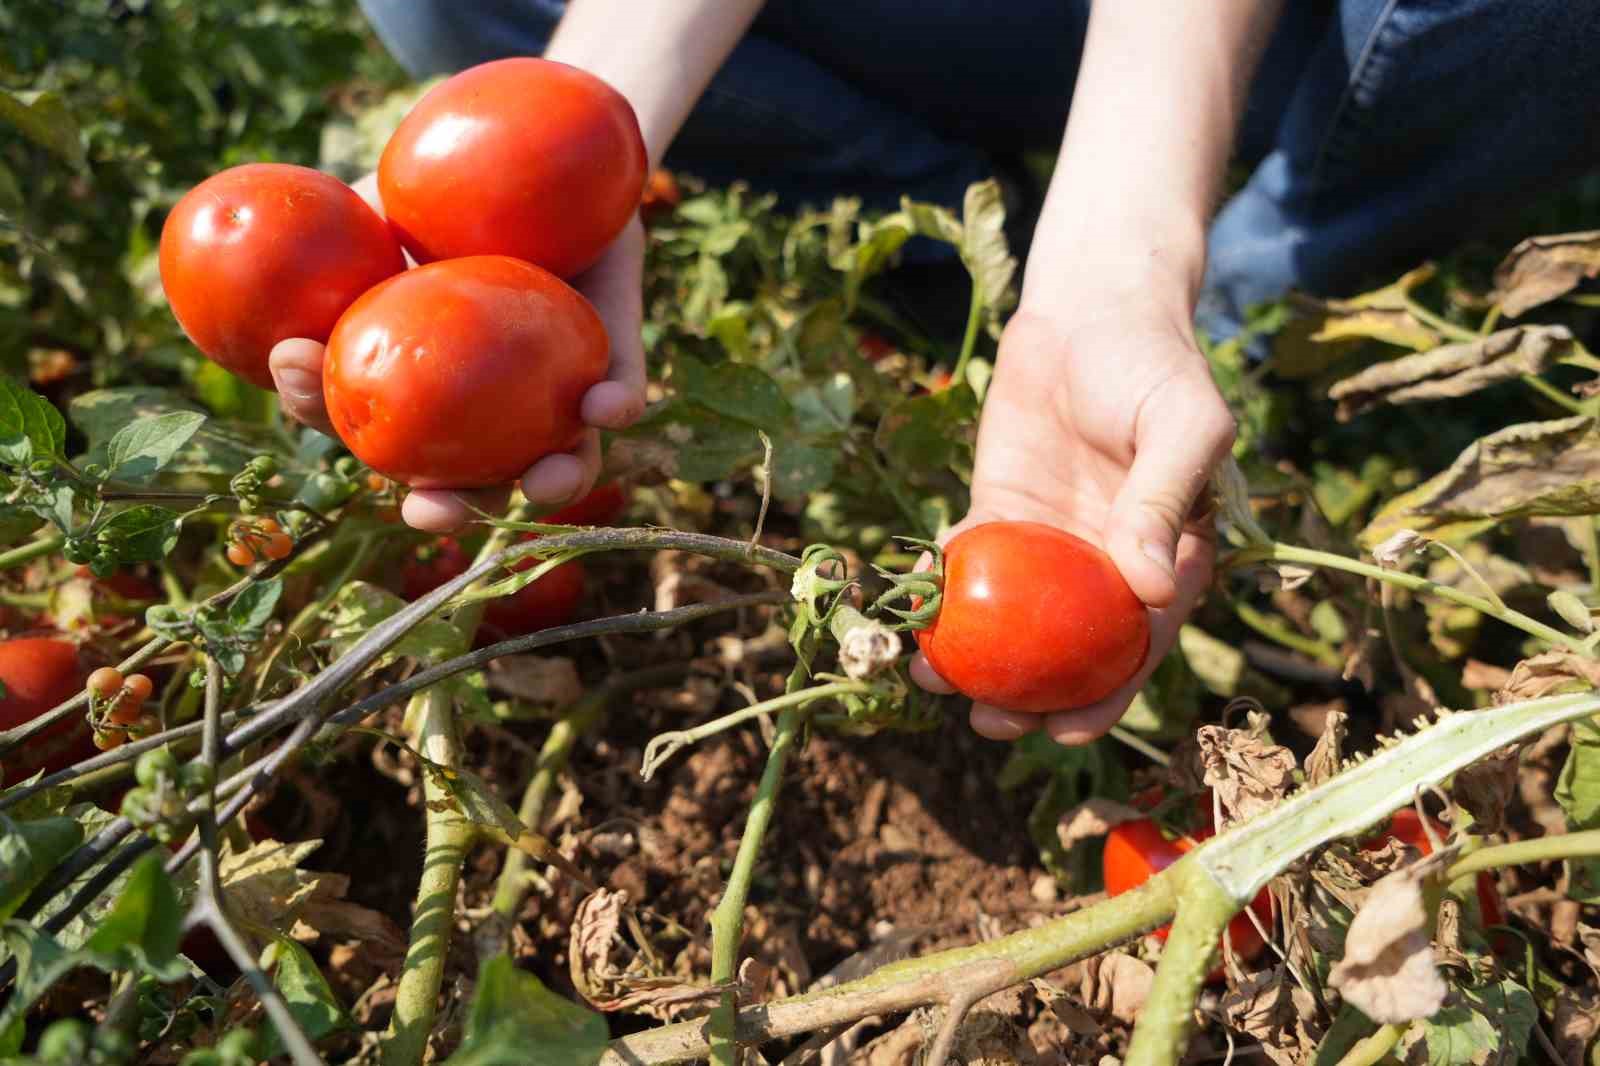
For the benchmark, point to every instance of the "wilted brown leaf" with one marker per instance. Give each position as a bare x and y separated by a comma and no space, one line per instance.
1534,468
1324,330
1548,673
1455,369
1577,1020
545,680
1117,984
1483,676
264,884
1485,788
1388,970
1540,269
1247,773
1263,1007
612,975
1093,818
1325,759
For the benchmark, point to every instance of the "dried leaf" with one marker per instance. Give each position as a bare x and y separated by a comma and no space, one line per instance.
1393,551
611,975
545,680
264,884
1548,673
1323,330
1486,787
1326,758
1092,819
1485,677
1116,984
1263,1007
1388,969
1534,468
1540,269
1455,369
1576,1023
1248,773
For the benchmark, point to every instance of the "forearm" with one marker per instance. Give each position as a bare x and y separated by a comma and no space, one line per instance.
659,55
1159,95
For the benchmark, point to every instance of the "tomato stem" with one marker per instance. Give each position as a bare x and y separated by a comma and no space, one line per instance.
23,553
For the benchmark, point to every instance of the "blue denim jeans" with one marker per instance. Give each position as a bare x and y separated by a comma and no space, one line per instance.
1378,131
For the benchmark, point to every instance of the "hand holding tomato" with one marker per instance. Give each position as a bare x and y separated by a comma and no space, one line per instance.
614,286
1106,426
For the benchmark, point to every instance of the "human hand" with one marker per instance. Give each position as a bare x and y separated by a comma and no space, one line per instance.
1107,426
614,285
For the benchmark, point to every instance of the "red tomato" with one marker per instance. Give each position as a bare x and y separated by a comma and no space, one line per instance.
602,507
1406,827
39,673
550,601
267,251
521,157
1034,619
460,374
125,585
1137,850
874,347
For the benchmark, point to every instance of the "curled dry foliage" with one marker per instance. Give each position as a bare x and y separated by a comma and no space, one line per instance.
1388,970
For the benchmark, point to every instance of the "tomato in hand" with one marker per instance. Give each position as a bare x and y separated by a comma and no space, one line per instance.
1406,827
462,374
1034,619
40,673
267,251
602,507
550,601
1138,850
522,157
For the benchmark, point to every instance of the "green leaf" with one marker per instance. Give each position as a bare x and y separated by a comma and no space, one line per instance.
1479,1025
146,922
10,192
708,446
936,430
45,120
733,390
250,611
16,523
306,993
800,469
143,534
1578,792
516,1021
29,427
359,606
827,407
214,453
29,851
141,448
879,241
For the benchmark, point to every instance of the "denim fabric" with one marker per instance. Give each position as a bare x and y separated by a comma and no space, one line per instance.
1377,129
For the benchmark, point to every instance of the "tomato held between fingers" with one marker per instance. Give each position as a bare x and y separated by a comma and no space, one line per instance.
40,673
1138,850
462,374
267,251
521,157
1406,827
1034,619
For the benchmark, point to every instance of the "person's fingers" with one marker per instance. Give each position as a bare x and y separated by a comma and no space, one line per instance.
995,724
1083,724
560,478
441,511
1182,431
926,677
615,286
296,366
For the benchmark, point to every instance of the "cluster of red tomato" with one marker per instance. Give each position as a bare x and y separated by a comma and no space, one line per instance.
502,181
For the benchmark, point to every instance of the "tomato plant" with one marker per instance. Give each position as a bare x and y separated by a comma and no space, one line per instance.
40,673
1407,827
267,251
1137,850
487,342
552,600
1032,618
522,157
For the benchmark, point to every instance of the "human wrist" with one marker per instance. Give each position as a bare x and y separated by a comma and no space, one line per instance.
1092,276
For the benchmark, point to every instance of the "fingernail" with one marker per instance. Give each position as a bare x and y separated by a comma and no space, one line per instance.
1158,555
298,386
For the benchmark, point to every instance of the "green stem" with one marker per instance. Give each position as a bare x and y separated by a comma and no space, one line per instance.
1539,849
314,613
727,921
1140,745
1275,630
1553,394
969,339
666,745
1443,325
1204,911
23,553
1591,549
1288,553
1373,1049
449,837
1490,320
